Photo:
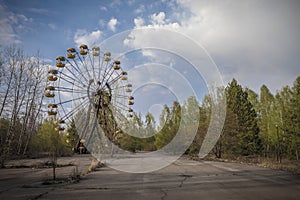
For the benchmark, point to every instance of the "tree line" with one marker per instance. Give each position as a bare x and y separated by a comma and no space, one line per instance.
263,124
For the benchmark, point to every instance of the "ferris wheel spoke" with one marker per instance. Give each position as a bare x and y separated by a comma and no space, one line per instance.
96,129
121,117
92,88
74,78
121,105
105,72
60,100
123,96
86,136
72,83
87,121
68,101
110,71
67,115
100,64
110,75
120,109
75,67
121,87
93,64
115,79
66,89
69,77
85,66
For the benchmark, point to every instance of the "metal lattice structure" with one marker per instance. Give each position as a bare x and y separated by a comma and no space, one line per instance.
89,80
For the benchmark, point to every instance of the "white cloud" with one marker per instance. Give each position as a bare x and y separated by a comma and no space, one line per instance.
112,24
138,22
115,3
166,46
52,26
10,23
24,18
255,42
130,2
101,22
140,9
68,34
7,22
89,38
159,76
103,8
39,10
158,18
257,39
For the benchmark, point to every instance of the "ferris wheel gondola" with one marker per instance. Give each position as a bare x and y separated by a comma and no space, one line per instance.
92,81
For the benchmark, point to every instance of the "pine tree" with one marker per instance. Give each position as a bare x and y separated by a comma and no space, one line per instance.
295,117
238,103
254,100
266,120
199,114
72,137
169,123
228,140
284,122
150,130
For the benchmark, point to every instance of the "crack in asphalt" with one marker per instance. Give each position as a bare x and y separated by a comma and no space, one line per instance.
2,191
41,195
186,176
94,188
165,194
181,182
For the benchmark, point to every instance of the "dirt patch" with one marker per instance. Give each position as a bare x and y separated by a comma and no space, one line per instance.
94,165
38,165
286,165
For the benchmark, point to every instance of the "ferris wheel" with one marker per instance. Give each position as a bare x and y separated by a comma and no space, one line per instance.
89,81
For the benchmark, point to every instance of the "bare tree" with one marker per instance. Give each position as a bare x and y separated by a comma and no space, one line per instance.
17,90
21,96
35,98
33,103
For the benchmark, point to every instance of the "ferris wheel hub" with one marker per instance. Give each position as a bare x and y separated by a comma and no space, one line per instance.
90,84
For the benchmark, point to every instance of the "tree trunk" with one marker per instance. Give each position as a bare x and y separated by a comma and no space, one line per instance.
54,162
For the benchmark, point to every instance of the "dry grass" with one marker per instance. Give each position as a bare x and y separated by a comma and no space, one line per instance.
94,165
286,165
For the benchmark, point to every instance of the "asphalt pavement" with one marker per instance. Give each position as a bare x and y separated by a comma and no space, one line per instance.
184,179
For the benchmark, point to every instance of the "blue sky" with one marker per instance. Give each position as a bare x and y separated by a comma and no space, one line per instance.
50,26
256,42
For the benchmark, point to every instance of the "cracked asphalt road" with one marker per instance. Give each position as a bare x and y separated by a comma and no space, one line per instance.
184,179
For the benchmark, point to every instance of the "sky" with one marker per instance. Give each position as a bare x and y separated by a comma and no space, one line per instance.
255,42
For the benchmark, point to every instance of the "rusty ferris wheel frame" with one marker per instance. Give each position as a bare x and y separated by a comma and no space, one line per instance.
92,81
